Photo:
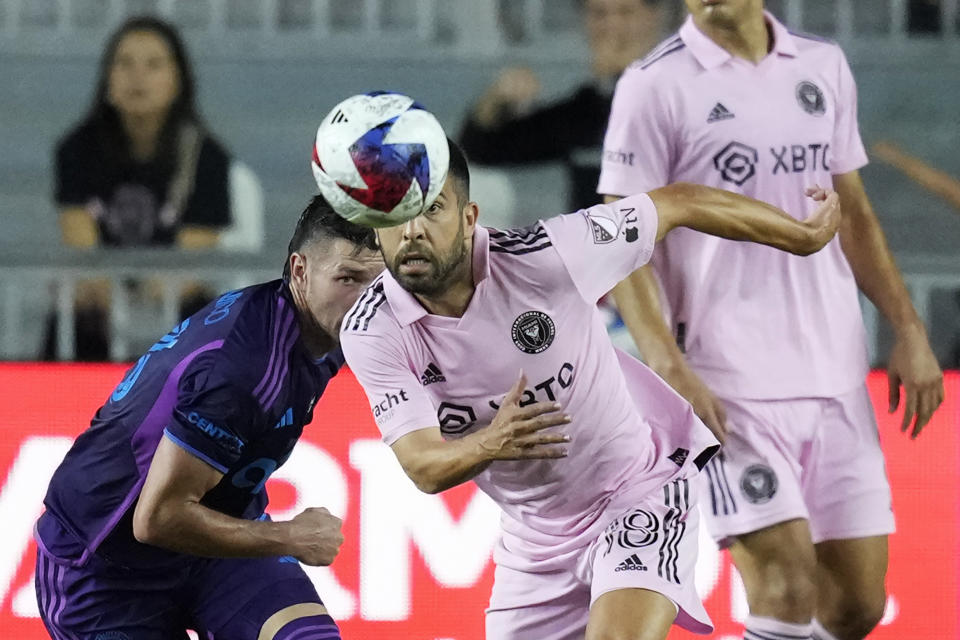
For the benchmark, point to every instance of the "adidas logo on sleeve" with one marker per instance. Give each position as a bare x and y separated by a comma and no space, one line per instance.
432,374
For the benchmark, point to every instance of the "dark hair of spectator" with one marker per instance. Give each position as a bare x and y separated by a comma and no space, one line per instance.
104,117
319,221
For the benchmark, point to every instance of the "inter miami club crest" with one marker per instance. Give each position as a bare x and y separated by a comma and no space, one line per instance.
811,98
533,331
758,483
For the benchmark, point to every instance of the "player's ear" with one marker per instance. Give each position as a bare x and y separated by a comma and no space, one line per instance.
471,212
298,267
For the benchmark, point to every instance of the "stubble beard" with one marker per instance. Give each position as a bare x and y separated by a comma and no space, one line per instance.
445,270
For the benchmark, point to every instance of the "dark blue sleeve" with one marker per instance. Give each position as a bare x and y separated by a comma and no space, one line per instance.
215,415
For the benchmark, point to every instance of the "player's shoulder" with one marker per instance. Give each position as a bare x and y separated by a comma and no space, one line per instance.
665,61
256,325
520,241
371,314
525,254
813,45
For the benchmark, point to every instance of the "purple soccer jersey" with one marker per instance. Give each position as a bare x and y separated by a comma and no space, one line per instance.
233,385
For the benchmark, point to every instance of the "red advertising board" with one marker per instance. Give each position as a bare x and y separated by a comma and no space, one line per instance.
418,567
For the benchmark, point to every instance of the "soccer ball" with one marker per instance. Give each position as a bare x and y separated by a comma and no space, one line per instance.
380,159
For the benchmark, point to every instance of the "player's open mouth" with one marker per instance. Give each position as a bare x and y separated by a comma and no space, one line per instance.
414,264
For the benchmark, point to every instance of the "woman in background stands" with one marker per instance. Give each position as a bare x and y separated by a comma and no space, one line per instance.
139,170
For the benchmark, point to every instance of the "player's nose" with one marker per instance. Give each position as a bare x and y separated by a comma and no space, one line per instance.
413,228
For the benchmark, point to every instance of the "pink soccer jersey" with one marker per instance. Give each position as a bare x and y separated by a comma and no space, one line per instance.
534,309
755,322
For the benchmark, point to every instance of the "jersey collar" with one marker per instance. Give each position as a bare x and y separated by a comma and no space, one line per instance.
408,309
709,54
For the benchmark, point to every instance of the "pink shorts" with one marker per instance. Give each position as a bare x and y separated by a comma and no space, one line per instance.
817,459
652,546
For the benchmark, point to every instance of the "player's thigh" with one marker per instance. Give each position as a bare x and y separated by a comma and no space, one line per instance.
100,600
648,554
851,577
845,485
756,480
631,614
551,605
260,599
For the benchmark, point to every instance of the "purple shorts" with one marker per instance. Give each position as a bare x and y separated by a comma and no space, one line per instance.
219,598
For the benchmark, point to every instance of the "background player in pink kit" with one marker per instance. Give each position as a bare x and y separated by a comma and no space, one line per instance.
799,491
588,453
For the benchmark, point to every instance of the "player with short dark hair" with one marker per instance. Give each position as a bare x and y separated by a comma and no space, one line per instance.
155,520
737,101
591,459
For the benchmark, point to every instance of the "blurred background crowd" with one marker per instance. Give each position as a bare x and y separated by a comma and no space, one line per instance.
153,151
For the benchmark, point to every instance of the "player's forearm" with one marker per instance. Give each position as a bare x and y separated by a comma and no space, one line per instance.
873,266
865,247
446,464
638,302
732,216
191,528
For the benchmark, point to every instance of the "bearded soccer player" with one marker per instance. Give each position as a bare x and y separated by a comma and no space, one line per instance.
484,357
155,519
775,352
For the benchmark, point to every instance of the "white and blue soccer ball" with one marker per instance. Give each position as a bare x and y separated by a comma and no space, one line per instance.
380,159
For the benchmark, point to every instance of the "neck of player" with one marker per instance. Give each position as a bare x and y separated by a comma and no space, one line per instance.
316,338
453,300
750,39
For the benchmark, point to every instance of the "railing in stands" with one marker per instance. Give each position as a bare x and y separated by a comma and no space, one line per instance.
21,273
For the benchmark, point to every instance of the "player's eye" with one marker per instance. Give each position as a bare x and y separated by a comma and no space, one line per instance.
346,279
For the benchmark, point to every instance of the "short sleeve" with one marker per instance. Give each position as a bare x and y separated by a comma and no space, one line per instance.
214,416
636,148
602,245
73,182
847,147
209,205
397,399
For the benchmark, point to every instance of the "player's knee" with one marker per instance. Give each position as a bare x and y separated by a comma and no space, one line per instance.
307,621
785,592
855,614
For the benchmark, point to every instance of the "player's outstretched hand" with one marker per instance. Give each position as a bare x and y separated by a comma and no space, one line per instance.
825,221
316,536
518,433
913,365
